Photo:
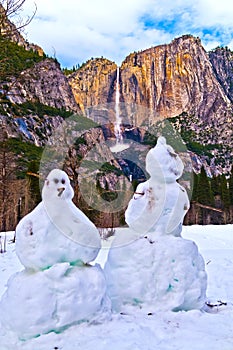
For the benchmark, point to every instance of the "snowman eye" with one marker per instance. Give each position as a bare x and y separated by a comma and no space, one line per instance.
56,181
63,181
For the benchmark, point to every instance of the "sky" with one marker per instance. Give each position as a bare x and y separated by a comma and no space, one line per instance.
75,30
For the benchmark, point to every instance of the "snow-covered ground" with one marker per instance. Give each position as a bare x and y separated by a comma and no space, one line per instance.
196,330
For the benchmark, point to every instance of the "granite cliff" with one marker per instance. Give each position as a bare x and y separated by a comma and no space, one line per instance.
44,83
222,63
174,78
179,81
93,83
167,79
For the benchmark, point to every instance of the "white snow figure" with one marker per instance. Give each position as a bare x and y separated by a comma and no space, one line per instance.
56,230
58,288
150,265
159,204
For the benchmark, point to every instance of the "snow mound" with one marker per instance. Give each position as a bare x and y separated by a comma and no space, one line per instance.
37,303
168,274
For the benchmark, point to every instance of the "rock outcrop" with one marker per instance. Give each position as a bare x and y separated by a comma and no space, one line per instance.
44,83
174,78
31,128
93,83
222,62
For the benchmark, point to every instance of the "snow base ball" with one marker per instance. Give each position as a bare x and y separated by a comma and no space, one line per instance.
168,274
40,302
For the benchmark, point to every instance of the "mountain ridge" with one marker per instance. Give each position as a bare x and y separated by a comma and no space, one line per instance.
168,81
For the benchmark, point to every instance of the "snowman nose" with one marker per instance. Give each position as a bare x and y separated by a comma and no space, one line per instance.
60,191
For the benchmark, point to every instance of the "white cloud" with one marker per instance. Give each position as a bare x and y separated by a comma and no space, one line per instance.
215,13
78,30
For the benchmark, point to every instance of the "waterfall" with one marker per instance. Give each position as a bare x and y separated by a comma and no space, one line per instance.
120,145
117,128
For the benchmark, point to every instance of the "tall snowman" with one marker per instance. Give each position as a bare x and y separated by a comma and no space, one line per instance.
150,266
57,288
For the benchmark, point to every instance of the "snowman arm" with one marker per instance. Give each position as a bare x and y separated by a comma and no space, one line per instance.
140,193
140,190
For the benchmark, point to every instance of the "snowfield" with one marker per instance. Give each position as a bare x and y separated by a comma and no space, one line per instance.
211,328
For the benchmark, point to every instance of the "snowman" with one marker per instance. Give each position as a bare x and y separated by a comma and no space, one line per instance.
150,266
58,287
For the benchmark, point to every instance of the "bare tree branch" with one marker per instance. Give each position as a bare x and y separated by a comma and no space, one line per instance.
10,9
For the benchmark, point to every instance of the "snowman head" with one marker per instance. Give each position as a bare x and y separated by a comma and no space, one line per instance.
163,163
57,186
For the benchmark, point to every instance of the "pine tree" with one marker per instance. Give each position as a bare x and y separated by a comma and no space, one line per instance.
195,187
204,192
225,195
7,170
33,178
216,185
204,195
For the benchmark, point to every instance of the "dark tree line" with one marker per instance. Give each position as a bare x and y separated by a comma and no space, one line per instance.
19,188
212,199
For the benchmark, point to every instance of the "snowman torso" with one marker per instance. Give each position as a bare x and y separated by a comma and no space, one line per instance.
157,207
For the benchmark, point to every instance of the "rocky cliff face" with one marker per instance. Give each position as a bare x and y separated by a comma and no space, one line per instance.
31,128
222,62
175,78
168,80
93,83
44,83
